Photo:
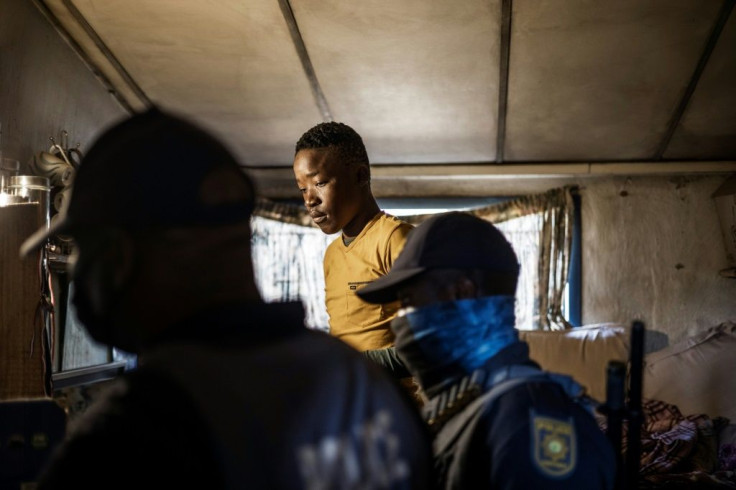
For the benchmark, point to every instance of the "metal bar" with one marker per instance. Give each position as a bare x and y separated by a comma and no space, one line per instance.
633,408
301,50
491,170
503,77
107,53
87,375
695,78
575,276
614,409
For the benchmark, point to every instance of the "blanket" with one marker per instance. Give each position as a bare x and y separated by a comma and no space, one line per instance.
681,451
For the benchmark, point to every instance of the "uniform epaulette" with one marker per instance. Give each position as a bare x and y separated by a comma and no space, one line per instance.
454,398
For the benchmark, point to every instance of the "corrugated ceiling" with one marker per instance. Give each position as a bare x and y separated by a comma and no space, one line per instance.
429,81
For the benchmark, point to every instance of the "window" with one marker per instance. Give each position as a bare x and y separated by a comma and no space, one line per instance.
287,264
288,257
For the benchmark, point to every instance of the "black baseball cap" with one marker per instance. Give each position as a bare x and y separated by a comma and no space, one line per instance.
454,240
152,170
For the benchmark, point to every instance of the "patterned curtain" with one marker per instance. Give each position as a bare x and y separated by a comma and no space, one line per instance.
287,260
285,213
288,249
554,213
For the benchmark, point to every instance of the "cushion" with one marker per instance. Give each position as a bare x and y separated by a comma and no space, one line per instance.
582,353
696,374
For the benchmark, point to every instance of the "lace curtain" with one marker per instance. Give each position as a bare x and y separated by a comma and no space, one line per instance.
288,251
552,214
287,260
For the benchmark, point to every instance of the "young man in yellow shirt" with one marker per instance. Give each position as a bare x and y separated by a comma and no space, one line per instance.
333,174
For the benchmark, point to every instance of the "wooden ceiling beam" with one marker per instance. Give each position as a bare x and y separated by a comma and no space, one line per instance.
503,77
301,50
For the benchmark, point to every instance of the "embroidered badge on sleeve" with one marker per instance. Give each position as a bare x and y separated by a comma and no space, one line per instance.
554,445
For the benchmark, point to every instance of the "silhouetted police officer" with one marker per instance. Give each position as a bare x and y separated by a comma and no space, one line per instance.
499,421
230,392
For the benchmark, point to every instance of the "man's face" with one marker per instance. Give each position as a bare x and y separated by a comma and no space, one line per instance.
331,188
95,291
429,288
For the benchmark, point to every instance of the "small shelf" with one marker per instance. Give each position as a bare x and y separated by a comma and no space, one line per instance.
87,375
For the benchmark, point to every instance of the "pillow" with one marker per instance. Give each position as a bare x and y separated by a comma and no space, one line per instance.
582,353
698,374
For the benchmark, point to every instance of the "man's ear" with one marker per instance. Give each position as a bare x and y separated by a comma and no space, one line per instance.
465,288
364,175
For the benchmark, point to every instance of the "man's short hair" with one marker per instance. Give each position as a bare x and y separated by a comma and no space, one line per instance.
335,135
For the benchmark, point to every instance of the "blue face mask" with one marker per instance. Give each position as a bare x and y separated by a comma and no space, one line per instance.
442,341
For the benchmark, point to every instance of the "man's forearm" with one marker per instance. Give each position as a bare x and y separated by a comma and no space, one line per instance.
389,360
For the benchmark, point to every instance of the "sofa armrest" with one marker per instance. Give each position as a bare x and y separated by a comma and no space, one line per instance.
582,353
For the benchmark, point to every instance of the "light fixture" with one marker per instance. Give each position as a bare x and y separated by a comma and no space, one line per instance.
9,167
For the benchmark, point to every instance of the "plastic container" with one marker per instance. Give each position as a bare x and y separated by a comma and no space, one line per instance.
9,167
31,189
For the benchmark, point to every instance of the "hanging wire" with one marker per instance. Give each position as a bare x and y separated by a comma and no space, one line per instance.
44,321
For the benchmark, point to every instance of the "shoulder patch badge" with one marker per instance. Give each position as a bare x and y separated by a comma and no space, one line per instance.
554,450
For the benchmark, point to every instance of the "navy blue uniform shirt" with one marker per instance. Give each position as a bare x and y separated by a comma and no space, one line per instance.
531,436
246,397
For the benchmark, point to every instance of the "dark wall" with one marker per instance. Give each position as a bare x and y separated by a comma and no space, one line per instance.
45,87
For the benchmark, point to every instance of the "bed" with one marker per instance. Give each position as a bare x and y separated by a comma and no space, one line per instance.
688,436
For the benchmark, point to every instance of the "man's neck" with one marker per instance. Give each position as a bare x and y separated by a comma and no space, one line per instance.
348,240
368,211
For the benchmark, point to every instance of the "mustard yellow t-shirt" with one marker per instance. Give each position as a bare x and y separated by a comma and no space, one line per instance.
370,255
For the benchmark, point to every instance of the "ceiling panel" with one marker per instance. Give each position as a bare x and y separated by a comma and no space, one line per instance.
230,63
708,126
418,79
588,80
591,80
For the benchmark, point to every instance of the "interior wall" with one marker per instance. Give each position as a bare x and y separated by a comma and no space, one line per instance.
45,87
652,250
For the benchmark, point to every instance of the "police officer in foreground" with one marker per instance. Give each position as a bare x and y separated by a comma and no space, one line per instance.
230,392
498,420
